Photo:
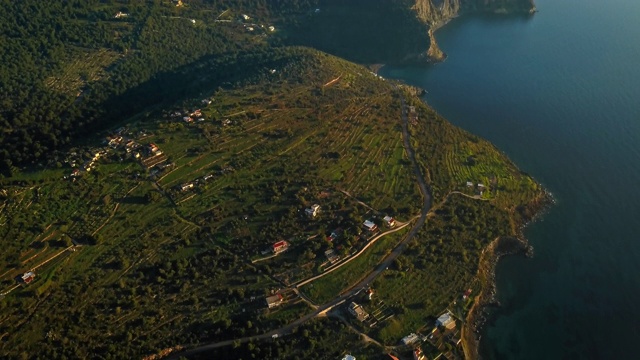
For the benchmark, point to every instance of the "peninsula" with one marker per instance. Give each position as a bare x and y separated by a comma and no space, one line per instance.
196,179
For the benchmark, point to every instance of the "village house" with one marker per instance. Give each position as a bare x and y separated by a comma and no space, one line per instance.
331,256
187,186
391,222
313,210
466,294
357,311
274,301
369,293
370,225
28,277
410,339
446,320
418,355
279,247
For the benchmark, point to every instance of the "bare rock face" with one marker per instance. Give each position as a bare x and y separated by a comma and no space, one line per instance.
436,13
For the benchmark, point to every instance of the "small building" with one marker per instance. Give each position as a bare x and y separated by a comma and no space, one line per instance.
410,339
274,301
206,101
331,256
153,148
250,28
246,17
28,277
469,184
187,119
418,355
313,210
391,222
357,311
466,294
272,28
370,225
120,14
445,320
349,357
187,186
369,293
480,186
279,247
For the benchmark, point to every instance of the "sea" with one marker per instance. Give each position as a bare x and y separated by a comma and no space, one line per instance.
559,93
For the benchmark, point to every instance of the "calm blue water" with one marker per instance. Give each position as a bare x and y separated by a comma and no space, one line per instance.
560,94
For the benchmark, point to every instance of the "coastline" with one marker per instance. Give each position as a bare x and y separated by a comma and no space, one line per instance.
489,259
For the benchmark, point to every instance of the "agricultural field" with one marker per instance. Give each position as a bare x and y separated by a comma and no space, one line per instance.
82,67
457,157
116,243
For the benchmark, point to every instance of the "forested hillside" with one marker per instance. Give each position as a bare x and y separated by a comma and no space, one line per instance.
70,67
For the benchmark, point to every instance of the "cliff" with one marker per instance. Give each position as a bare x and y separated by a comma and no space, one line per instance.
436,13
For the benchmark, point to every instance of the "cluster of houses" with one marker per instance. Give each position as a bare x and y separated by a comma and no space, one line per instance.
252,27
371,226
480,188
443,332
191,185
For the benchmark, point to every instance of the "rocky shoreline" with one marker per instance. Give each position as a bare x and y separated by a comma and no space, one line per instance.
491,255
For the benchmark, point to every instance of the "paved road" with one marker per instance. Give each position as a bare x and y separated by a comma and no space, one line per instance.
364,283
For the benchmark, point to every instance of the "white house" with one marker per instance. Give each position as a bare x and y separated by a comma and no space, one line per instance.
445,320
410,339
370,225
391,222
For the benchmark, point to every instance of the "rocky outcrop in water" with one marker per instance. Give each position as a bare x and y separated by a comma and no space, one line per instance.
436,13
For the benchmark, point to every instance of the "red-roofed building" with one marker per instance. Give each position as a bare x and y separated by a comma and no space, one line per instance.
280,246
28,277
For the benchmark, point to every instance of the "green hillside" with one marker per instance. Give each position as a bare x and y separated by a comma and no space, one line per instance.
160,175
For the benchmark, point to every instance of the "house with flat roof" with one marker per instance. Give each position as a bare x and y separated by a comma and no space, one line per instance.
357,311
410,339
446,320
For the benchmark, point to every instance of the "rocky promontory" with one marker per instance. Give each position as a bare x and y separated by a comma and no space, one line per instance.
435,13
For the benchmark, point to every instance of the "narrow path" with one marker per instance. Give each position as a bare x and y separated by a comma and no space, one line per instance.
362,284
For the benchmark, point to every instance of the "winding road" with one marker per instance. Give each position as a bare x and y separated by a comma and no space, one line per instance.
362,284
